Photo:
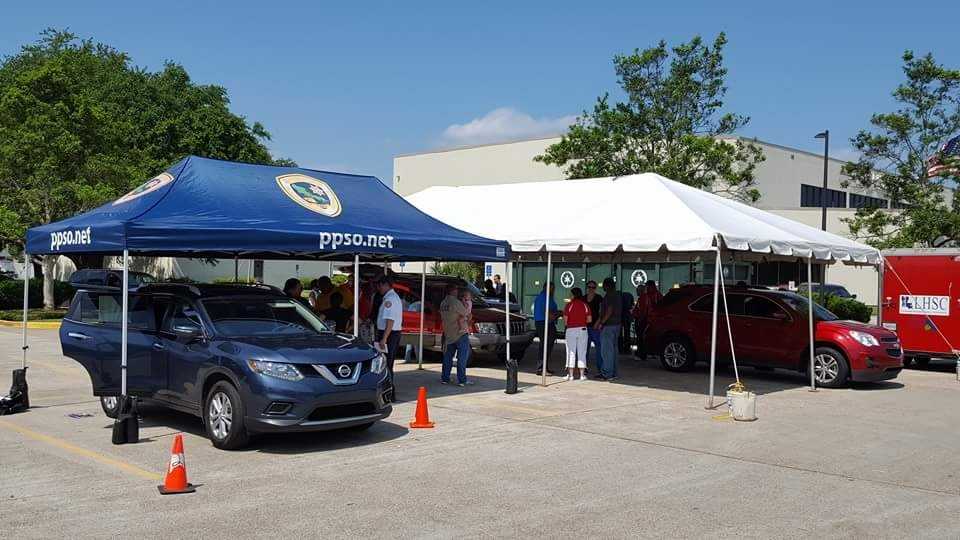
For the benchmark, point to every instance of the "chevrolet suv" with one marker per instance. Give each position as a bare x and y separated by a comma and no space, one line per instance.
245,359
770,330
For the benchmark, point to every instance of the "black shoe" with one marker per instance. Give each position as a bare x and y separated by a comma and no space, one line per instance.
599,378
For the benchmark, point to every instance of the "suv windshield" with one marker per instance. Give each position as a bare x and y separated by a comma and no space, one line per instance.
800,304
478,296
262,317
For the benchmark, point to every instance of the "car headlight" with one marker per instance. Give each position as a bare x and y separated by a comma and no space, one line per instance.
379,363
864,338
279,370
486,328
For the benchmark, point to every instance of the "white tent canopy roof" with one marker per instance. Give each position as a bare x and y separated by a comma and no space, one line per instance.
636,213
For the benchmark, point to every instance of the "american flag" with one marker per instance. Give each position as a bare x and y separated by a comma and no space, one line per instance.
946,162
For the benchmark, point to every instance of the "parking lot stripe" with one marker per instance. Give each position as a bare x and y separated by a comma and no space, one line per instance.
83,452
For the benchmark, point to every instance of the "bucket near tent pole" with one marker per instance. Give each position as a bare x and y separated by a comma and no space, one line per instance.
742,403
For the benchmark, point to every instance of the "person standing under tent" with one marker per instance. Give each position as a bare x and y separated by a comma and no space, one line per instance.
626,323
498,286
545,318
322,288
389,323
594,301
577,315
488,288
338,314
456,336
609,327
648,296
293,288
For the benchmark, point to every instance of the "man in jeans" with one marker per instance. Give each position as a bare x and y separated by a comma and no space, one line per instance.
545,319
456,336
609,327
389,325
595,301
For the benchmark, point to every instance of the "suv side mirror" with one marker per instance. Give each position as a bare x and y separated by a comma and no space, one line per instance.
189,332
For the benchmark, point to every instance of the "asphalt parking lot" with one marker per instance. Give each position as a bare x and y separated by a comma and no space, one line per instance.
636,458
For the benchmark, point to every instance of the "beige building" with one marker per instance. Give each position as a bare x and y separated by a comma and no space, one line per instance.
790,182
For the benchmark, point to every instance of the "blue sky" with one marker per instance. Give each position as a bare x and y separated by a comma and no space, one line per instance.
346,86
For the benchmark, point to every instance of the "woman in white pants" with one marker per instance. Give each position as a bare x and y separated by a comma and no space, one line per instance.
577,316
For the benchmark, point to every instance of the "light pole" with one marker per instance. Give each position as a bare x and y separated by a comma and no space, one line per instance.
825,135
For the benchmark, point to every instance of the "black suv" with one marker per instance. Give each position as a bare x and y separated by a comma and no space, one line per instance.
246,359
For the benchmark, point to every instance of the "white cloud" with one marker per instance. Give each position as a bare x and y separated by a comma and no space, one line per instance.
505,124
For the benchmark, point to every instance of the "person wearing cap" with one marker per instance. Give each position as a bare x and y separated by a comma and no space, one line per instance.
389,321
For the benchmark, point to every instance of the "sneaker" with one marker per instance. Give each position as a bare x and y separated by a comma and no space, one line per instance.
444,382
569,377
611,379
599,378
468,383
582,378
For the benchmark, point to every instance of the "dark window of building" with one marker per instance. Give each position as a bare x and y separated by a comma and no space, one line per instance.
811,197
899,205
866,201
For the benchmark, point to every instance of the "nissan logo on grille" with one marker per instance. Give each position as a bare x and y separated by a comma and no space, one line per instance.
343,370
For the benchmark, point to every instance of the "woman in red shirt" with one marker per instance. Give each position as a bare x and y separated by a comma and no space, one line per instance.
577,315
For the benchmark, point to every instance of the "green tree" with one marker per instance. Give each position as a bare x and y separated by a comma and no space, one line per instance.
80,125
670,124
893,154
469,272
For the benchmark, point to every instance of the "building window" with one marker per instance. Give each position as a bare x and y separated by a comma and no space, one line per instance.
811,197
866,201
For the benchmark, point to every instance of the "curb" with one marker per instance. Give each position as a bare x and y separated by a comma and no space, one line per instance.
38,325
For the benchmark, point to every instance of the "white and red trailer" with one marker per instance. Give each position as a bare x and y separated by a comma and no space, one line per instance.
921,301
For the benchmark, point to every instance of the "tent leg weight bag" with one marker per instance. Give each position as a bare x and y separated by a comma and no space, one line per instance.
513,370
18,399
126,427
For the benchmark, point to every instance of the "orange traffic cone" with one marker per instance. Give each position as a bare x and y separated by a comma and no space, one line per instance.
176,480
422,419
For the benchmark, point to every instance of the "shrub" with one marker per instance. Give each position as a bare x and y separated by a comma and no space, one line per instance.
32,315
11,293
845,308
230,281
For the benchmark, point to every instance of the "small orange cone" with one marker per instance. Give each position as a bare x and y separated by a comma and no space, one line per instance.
176,480
422,419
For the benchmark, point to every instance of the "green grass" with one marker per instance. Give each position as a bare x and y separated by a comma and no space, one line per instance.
32,315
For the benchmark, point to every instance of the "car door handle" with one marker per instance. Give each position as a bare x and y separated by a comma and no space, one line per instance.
77,335
159,347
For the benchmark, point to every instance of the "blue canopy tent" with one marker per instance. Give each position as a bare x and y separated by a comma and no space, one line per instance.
208,208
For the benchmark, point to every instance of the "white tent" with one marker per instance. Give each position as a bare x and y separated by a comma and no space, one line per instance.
640,213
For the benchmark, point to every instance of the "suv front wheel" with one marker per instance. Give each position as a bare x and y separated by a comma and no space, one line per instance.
223,417
677,354
830,367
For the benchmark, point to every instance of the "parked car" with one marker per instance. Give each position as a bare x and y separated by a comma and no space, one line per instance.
487,333
245,359
828,289
770,330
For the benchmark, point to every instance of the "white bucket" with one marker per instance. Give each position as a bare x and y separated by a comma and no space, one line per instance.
743,405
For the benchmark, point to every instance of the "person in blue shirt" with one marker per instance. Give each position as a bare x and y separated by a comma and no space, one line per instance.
542,319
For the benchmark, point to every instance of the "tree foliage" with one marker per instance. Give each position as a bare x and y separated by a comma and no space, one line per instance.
893,153
671,123
80,125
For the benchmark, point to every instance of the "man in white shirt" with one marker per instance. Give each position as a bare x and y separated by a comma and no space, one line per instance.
389,324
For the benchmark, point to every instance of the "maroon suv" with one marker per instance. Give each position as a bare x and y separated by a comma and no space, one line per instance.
770,330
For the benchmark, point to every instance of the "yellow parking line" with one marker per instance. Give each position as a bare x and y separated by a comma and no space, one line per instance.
73,449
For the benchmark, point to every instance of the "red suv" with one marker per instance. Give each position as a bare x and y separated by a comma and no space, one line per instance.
487,333
770,330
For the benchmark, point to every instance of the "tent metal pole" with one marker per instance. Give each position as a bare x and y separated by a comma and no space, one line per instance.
423,303
713,328
880,293
506,303
813,374
356,295
123,325
236,267
546,320
26,306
